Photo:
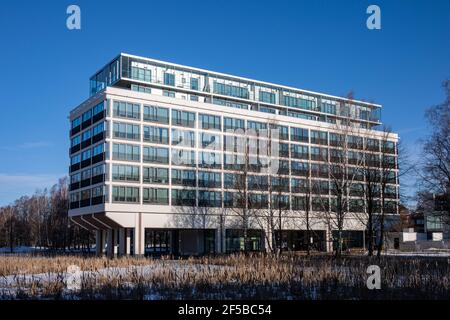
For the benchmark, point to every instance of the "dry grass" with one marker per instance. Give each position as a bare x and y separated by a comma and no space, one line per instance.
254,276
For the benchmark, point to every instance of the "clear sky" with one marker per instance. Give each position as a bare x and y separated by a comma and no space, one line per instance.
317,45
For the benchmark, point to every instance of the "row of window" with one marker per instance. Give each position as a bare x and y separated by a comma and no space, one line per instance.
207,179
183,197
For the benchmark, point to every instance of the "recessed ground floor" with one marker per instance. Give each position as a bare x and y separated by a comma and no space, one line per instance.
158,234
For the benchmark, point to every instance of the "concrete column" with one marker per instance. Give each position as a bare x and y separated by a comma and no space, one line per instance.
329,241
267,240
98,241
111,243
139,236
218,241
122,242
127,241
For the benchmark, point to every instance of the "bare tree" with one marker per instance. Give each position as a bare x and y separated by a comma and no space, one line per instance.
343,173
436,153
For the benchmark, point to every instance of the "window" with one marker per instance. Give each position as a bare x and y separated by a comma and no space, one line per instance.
126,110
210,160
210,141
156,114
299,185
98,149
98,108
138,88
299,151
299,134
75,141
183,158
233,124
194,84
210,122
193,98
319,137
233,180
299,203
76,122
156,175
169,79
156,155
183,118
156,134
155,196
258,201
169,94
75,178
257,126
86,174
75,159
258,182
141,74
209,199
230,90
125,194
209,179
267,97
182,138
280,201
299,168
86,135
99,128
98,170
319,154
86,155
87,115
126,131
328,108
298,103
126,152
125,173
184,177
183,197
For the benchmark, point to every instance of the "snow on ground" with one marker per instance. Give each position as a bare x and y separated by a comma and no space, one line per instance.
9,285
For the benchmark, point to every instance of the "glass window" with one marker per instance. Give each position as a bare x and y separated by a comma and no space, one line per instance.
230,90
184,177
155,196
268,97
98,108
183,157
169,79
125,173
126,110
299,134
208,121
156,175
87,115
126,131
194,84
125,194
126,152
183,118
233,124
141,74
156,155
156,134
75,141
76,122
156,114
183,138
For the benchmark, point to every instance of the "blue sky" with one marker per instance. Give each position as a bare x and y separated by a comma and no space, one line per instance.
317,45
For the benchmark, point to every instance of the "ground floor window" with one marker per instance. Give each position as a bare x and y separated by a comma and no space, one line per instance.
234,239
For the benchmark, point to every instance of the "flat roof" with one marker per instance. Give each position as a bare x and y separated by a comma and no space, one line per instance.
219,74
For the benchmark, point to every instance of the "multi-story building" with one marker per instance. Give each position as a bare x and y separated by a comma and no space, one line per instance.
143,174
